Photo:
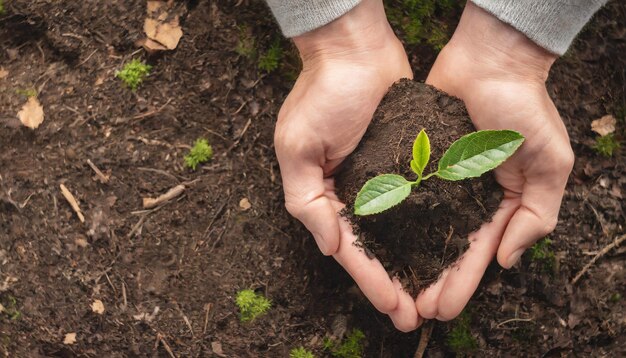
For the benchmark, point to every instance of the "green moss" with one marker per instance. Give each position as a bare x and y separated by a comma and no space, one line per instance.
542,254
270,60
351,347
251,305
606,145
28,92
133,73
423,21
460,338
9,304
201,152
301,352
246,43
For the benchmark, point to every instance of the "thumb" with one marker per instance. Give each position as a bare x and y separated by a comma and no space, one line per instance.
536,217
305,199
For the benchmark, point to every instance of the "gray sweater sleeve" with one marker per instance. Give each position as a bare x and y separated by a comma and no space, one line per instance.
296,17
552,24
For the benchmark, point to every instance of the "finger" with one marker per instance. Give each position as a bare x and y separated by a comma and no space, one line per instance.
405,316
427,301
368,274
465,275
303,183
536,217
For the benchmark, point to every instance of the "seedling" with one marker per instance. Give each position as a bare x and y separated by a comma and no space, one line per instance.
133,73
245,44
251,305
351,347
460,338
606,145
301,352
270,60
201,152
471,156
543,255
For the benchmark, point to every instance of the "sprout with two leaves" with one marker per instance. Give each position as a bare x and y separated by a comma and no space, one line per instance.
471,156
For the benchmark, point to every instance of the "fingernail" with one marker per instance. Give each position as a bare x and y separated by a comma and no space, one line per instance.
319,239
515,257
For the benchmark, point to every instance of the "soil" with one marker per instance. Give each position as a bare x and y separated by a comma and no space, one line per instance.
190,257
430,228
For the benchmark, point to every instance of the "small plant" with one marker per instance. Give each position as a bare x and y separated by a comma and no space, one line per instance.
201,152
245,44
251,305
422,21
270,60
301,352
606,145
1,7
133,73
543,255
471,156
460,338
351,347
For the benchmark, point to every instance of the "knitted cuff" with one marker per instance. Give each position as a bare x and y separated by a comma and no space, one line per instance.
296,17
551,24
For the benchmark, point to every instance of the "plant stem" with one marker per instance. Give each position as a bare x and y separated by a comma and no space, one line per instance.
429,175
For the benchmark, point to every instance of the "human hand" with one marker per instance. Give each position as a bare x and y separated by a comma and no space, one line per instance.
500,75
348,65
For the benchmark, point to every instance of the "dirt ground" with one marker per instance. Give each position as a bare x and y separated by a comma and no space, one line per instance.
168,277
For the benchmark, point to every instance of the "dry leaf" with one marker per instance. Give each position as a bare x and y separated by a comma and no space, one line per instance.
97,306
73,202
149,45
165,33
3,73
604,125
216,347
31,114
1,308
244,204
70,338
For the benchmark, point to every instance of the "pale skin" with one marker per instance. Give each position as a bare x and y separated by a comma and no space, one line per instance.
348,65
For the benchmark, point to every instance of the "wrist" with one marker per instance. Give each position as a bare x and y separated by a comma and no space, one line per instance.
360,31
494,46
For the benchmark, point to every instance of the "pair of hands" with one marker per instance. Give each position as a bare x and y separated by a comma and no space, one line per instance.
348,65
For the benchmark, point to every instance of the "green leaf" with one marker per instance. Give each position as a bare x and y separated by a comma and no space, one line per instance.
421,153
477,153
381,193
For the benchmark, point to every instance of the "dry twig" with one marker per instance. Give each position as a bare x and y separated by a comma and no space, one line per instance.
427,330
103,178
73,202
174,192
604,251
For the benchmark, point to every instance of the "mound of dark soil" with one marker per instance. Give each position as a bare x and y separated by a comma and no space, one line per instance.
427,232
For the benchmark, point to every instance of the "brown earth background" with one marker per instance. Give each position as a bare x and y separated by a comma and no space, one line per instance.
190,257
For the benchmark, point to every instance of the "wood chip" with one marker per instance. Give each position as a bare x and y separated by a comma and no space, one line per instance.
97,307
69,338
73,202
149,203
244,204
